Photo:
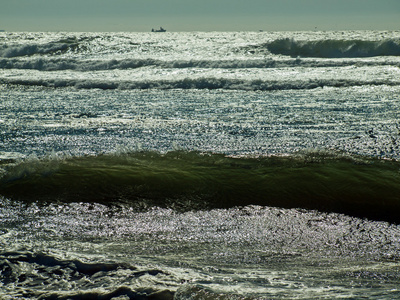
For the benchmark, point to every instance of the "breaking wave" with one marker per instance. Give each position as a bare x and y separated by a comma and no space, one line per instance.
331,182
198,83
57,64
58,47
334,48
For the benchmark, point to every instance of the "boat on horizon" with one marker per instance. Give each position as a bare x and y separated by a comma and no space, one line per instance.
158,30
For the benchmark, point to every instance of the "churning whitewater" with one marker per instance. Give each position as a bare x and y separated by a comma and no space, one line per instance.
200,165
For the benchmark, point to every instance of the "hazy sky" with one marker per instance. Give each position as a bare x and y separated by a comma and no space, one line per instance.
198,15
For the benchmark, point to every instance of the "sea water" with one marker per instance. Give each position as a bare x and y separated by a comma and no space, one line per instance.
200,165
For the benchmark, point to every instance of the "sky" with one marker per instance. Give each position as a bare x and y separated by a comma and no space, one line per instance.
198,15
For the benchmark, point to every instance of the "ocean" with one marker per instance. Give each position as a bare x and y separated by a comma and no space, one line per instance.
200,165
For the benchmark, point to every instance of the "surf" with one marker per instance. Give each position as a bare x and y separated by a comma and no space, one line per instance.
203,83
51,48
60,64
187,180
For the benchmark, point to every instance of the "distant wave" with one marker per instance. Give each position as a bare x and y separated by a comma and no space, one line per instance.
295,48
57,47
331,182
57,64
334,48
198,83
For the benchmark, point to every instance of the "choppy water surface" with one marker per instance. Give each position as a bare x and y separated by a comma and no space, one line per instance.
255,251
199,165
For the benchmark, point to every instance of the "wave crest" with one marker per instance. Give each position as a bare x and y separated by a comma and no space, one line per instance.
190,180
334,48
57,47
210,83
58,64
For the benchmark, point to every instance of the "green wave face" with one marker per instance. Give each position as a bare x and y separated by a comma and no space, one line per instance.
191,180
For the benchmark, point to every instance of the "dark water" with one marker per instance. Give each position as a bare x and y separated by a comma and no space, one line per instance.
330,182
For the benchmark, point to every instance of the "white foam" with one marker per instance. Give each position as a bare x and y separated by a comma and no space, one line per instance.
209,78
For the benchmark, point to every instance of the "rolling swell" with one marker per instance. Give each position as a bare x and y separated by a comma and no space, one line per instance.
182,180
334,48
